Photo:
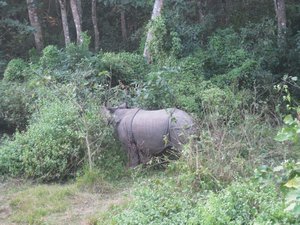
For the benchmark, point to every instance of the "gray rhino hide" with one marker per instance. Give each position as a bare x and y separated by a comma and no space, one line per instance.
146,133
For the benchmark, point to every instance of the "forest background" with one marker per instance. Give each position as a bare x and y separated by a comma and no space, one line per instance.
233,64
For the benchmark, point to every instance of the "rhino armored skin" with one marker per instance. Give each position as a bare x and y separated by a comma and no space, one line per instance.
144,133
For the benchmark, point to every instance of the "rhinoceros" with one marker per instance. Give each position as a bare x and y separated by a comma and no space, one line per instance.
145,133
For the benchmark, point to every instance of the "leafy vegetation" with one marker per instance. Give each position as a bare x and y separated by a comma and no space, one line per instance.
225,64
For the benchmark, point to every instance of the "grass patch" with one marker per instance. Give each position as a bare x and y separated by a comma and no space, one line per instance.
93,181
32,205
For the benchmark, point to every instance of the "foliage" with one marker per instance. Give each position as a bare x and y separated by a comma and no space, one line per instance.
290,132
75,53
227,62
162,201
16,105
157,202
291,129
124,67
243,203
286,175
155,93
51,58
225,151
49,149
15,70
260,39
102,151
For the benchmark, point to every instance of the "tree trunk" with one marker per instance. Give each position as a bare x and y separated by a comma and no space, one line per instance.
281,22
201,6
35,23
123,25
79,10
224,17
64,19
95,25
158,4
77,20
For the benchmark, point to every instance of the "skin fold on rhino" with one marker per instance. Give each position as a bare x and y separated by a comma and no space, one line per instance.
144,133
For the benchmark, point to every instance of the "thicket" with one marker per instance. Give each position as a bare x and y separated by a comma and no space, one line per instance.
51,106
160,201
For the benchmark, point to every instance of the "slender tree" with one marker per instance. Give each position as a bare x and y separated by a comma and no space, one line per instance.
201,7
64,19
77,20
35,23
281,22
123,25
95,25
158,5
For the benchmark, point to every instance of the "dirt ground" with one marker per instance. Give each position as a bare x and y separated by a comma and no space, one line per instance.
82,206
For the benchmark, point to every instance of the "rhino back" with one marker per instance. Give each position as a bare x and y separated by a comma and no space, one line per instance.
150,129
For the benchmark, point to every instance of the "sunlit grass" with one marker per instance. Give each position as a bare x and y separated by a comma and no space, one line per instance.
32,205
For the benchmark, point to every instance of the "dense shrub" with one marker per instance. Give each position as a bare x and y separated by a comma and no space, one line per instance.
124,67
51,58
227,61
155,93
184,89
160,201
15,70
157,202
102,151
16,105
243,203
50,148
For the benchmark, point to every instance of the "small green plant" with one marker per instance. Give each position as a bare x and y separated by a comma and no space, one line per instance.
286,177
291,128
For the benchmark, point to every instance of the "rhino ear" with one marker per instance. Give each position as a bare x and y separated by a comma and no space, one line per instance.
111,110
123,106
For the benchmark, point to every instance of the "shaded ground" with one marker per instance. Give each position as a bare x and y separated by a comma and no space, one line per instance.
23,203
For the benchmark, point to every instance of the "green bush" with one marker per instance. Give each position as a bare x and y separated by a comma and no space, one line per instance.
74,54
50,148
16,105
243,203
157,202
124,67
52,58
15,70
102,151
228,62
155,93
163,201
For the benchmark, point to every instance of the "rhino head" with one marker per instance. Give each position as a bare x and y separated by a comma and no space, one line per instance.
114,115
